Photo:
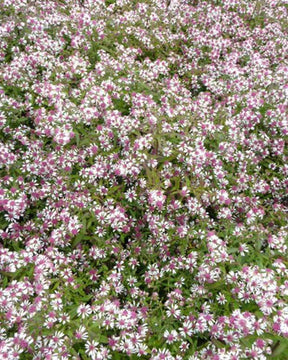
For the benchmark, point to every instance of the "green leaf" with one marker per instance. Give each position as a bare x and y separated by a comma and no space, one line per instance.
280,348
77,240
103,339
83,355
218,344
77,137
219,284
25,356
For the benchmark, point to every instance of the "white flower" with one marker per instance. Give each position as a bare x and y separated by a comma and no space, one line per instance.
171,336
91,348
221,298
173,310
84,311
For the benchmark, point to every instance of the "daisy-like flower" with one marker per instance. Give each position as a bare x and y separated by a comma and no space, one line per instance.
84,311
184,346
267,306
243,249
142,349
81,333
173,311
170,336
163,354
91,348
130,195
186,329
64,318
221,298
259,326
57,339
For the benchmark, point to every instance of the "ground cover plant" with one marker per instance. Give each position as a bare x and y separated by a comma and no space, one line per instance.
143,179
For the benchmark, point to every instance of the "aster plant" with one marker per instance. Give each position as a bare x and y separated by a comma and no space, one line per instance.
143,180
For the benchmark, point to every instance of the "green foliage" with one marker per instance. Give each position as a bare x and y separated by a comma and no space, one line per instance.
204,61
244,60
122,106
93,54
279,349
3,222
19,275
25,356
14,91
109,2
200,88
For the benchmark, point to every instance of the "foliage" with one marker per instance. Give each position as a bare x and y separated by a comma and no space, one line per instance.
143,180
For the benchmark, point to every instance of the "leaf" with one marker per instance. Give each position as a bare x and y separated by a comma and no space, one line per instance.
25,356
219,344
216,285
103,339
121,106
188,182
77,240
73,312
118,356
77,137
84,223
7,274
280,348
83,355
89,223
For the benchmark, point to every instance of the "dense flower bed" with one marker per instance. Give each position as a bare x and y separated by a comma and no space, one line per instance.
143,179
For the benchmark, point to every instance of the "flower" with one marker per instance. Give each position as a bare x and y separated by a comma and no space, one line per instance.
84,311
81,333
221,298
170,336
91,348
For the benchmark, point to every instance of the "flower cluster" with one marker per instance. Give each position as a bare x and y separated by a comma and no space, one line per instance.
143,180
